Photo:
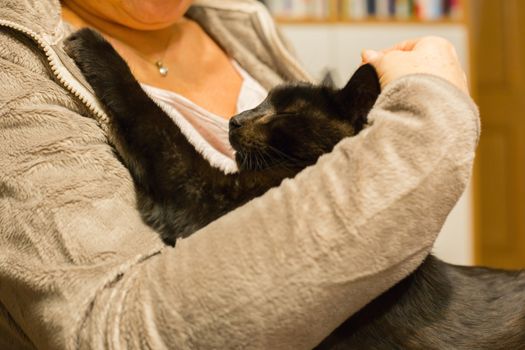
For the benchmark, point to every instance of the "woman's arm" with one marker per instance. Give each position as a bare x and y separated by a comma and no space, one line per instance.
284,270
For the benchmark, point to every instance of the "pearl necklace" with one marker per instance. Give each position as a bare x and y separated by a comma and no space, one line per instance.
159,64
163,70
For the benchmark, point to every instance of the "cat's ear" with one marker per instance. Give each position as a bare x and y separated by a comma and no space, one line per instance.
359,95
328,79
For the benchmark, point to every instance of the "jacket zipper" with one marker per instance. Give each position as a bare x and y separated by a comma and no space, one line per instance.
88,99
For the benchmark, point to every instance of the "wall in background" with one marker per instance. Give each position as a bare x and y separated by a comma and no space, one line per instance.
336,47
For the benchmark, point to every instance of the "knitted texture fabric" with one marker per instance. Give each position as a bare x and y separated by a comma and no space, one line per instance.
79,268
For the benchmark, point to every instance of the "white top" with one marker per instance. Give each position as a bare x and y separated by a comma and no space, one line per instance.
207,131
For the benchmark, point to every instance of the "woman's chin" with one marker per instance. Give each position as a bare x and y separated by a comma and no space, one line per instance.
156,14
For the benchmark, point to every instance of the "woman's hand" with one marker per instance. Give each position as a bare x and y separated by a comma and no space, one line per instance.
429,55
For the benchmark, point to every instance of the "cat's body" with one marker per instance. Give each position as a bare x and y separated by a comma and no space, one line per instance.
439,306
179,190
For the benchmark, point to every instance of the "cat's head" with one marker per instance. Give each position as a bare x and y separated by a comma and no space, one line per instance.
296,124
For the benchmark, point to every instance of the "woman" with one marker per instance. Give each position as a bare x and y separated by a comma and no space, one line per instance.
79,269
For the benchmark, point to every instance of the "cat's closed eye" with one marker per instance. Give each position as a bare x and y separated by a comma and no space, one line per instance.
268,118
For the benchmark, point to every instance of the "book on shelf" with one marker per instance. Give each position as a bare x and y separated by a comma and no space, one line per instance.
303,9
424,10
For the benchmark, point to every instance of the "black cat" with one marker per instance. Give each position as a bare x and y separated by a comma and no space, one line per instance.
439,306
180,191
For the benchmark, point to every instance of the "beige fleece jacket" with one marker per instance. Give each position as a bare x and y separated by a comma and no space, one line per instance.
79,269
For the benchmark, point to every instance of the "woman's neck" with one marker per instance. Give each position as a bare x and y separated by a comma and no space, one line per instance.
198,68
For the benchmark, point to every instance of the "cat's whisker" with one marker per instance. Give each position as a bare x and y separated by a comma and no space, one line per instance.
263,160
267,160
293,161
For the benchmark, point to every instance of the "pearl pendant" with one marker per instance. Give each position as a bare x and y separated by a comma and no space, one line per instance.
163,70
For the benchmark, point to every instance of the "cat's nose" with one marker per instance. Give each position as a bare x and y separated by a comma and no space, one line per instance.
235,123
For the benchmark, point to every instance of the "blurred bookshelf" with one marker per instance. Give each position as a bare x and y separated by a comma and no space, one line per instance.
367,11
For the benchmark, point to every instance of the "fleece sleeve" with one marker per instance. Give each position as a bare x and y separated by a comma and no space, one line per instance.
79,269
287,268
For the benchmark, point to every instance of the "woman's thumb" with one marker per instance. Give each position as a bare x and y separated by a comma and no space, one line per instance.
370,56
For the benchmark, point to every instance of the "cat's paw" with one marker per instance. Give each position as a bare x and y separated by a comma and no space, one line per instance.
85,45
94,55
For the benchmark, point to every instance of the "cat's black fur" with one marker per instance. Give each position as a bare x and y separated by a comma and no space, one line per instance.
439,306
180,191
